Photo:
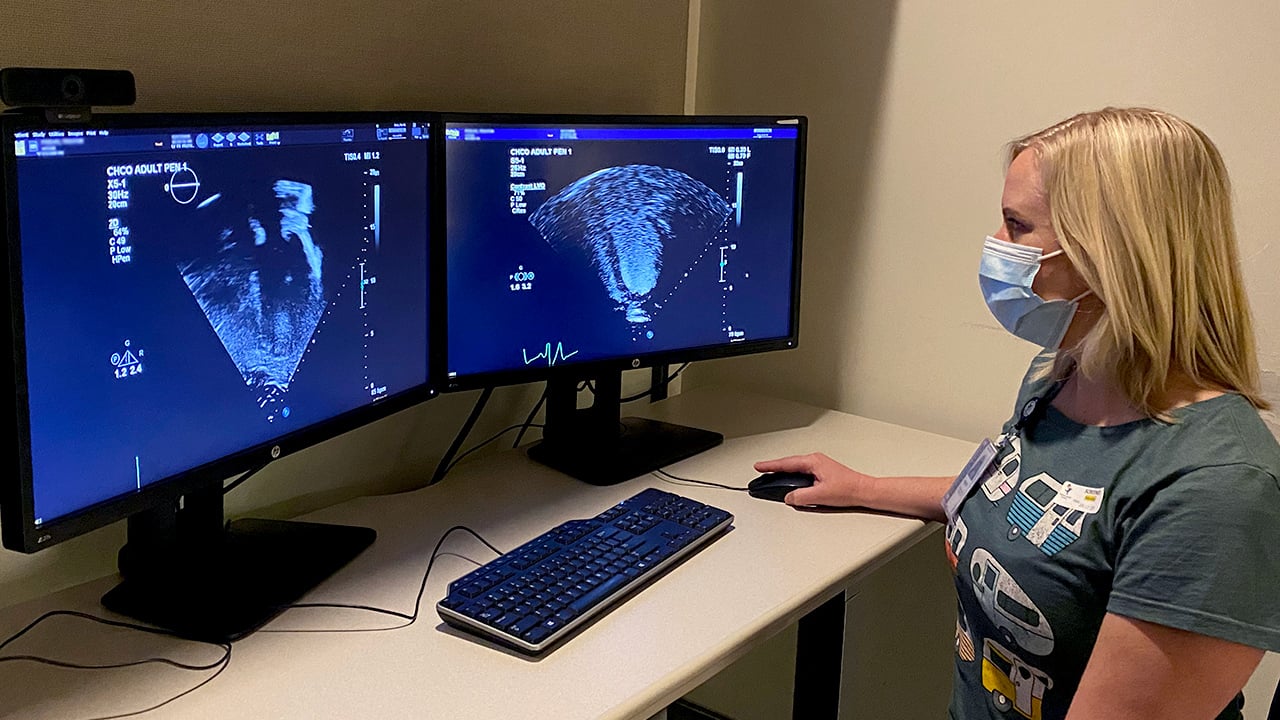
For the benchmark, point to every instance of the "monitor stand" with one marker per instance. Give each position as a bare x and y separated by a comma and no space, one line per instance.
598,446
185,572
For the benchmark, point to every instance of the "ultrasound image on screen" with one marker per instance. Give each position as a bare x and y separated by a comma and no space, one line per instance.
262,288
184,305
571,250
626,221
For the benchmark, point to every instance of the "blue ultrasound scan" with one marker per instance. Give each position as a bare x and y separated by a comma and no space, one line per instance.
262,290
185,302
574,245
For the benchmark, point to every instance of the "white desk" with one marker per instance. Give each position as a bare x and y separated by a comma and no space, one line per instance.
773,567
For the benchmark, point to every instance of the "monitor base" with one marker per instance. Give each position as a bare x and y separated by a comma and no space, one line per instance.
230,587
641,446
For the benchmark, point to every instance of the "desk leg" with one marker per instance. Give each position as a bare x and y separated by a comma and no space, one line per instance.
819,655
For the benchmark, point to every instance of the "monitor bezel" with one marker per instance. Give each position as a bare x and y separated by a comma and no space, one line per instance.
592,368
17,507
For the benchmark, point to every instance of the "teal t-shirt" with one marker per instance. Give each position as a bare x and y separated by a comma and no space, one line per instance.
1172,523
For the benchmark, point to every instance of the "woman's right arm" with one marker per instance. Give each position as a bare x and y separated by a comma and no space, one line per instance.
835,485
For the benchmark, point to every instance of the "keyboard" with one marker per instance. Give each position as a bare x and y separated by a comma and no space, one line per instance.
543,591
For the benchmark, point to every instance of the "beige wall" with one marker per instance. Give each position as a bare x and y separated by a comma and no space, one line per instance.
483,55
910,104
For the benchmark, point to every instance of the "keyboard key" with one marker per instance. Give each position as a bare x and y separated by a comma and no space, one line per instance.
525,624
472,609
598,593
538,634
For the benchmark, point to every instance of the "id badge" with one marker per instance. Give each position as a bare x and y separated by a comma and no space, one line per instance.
973,473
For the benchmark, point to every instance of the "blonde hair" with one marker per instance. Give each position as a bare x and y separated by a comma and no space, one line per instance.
1141,204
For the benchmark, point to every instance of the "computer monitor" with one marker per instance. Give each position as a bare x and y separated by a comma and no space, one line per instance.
191,297
577,247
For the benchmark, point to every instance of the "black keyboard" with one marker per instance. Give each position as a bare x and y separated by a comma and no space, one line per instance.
536,595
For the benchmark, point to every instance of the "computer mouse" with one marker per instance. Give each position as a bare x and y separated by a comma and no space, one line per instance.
775,485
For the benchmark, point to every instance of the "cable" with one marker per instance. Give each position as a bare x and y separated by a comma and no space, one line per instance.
664,383
417,604
591,386
669,478
113,666
221,663
101,621
226,662
444,465
528,421
236,483
499,434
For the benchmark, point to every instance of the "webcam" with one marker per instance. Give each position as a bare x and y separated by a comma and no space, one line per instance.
66,87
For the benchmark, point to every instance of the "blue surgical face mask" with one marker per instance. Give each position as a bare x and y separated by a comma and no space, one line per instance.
1005,276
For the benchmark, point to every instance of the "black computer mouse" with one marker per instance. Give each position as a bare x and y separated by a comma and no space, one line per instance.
775,485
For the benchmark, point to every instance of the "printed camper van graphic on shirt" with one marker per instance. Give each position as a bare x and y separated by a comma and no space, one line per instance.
1008,607
1004,467
1014,685
1051,514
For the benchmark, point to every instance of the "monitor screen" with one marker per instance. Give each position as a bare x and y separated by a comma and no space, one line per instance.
618,241
190,292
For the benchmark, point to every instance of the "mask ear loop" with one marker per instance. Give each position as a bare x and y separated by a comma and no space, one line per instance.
1075,301
1056,253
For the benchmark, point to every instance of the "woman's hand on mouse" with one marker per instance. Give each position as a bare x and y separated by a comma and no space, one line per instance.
834,485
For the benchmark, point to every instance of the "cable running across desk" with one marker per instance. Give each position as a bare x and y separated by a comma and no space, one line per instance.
224,661
417,603
668,477
220,664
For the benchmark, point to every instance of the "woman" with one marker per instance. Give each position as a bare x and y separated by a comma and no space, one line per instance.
1118,547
